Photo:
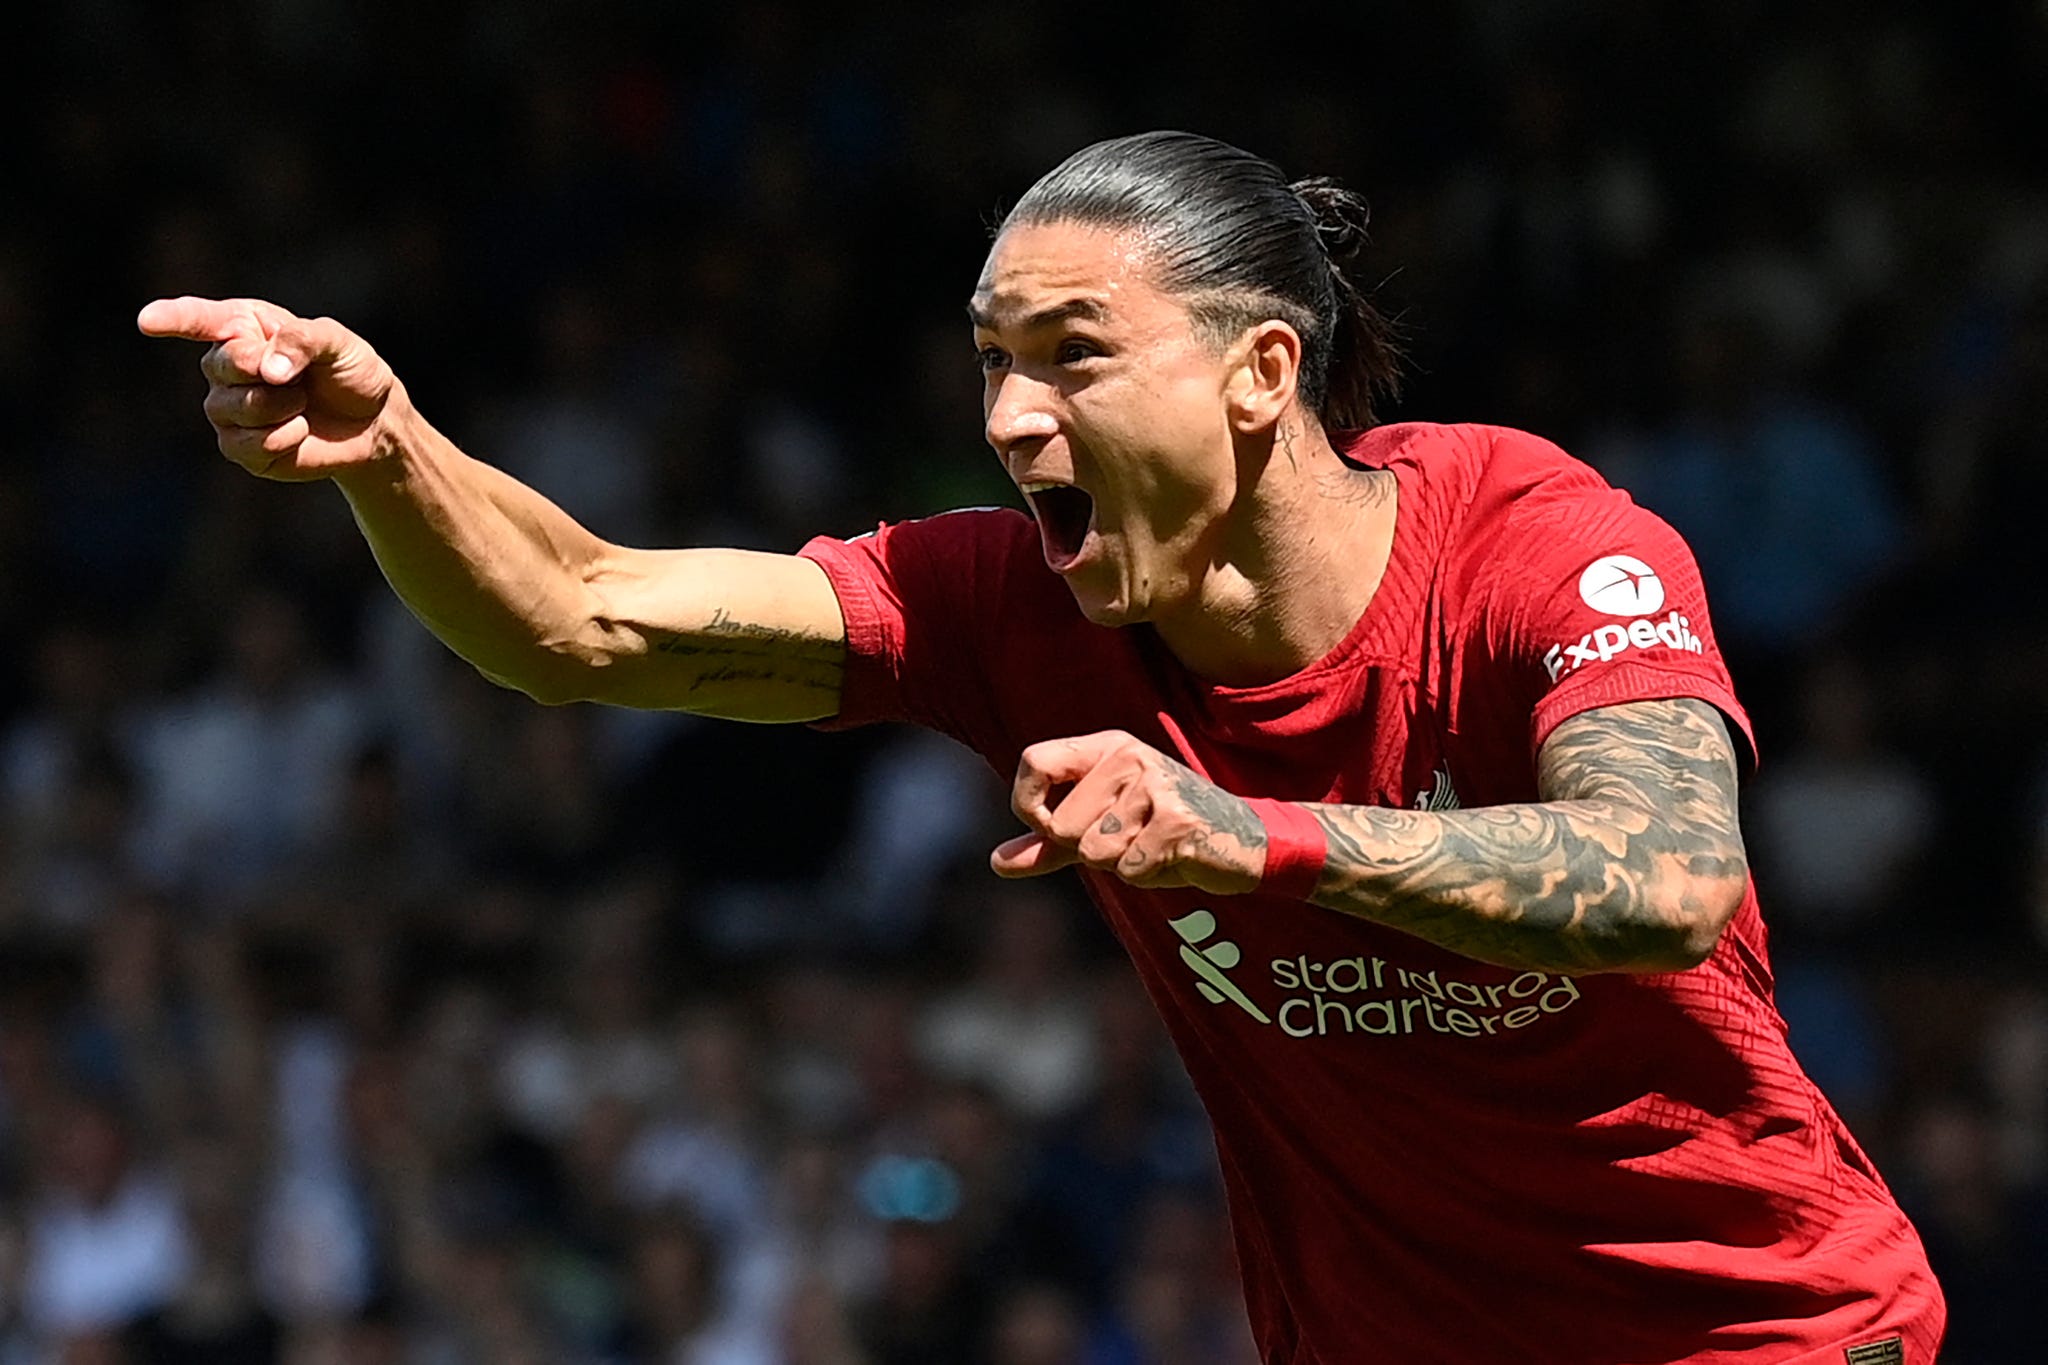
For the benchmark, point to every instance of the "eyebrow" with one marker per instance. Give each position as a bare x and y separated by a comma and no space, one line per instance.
1084,310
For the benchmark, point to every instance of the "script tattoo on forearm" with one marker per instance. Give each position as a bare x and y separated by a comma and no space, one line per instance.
727,650
1631,861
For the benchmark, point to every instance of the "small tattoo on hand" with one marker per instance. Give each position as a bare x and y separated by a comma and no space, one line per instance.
1110,824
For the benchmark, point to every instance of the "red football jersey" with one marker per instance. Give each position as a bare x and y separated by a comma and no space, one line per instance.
1428,1158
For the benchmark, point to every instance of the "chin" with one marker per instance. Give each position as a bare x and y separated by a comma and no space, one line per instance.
1105,609
1104,613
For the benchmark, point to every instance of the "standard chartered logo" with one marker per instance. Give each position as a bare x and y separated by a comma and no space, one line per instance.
1369,995
1211,962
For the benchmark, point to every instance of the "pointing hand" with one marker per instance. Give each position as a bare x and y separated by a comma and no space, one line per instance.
290,398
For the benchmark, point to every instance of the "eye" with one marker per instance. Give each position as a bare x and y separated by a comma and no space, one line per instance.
990,359
1074,350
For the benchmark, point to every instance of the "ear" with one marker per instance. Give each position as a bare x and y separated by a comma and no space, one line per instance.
1264,372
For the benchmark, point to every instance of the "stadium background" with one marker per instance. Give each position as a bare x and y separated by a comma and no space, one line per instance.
354,1011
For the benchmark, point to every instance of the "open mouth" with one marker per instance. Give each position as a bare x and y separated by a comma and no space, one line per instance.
1065,515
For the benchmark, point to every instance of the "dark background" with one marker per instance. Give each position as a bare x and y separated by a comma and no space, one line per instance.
354,1011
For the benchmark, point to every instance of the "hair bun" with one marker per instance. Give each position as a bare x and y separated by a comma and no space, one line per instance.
1340,217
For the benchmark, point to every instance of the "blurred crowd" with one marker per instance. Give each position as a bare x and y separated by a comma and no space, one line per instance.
353,1012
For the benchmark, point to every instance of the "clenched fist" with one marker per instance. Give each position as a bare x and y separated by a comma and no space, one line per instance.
290,398
1133,811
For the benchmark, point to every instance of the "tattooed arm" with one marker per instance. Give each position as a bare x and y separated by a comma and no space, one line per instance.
536,602
1632,861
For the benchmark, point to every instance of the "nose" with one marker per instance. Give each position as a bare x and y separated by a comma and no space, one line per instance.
1018,411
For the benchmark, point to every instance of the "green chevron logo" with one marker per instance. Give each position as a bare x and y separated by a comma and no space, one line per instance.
1210,961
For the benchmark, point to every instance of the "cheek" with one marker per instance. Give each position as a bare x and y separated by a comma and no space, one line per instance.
1168,438
1189,418
1187,480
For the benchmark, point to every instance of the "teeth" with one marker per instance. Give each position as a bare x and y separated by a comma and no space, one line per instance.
1039,486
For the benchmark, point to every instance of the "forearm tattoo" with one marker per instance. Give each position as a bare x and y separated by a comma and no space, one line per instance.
727,651
1220,830
1632,860
1216,808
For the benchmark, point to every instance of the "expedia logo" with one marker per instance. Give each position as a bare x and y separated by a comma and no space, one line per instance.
1599,645
1621,585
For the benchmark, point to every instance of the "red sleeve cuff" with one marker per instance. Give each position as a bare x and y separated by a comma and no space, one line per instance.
1296,848
869,686
1642,682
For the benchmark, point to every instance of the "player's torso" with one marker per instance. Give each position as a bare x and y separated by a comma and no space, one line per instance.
1383,1103
1383,1106
1307,998
1347,1063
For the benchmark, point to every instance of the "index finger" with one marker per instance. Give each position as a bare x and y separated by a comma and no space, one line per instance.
198,319
195,319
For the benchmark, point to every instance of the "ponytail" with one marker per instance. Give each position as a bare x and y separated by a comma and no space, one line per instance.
1364,355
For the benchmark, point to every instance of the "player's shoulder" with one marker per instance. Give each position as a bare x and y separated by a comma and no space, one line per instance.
1474,470
1477,489
965,535
1500,504
988,556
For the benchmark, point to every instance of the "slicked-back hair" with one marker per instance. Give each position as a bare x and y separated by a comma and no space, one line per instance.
1239,244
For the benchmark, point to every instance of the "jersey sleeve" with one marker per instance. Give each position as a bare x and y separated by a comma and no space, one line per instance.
916,597
1595,601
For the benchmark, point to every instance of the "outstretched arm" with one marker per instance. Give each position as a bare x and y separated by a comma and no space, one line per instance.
1631,860
506,578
